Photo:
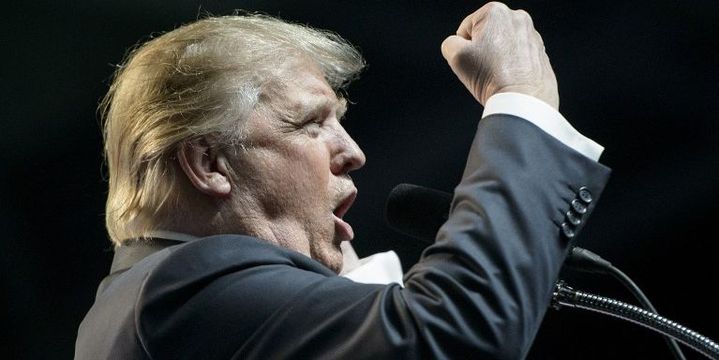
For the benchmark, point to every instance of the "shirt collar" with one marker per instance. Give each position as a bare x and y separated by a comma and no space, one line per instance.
171,235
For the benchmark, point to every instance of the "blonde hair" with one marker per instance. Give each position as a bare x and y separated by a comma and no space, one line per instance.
202,78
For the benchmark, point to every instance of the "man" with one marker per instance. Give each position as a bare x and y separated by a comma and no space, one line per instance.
229,179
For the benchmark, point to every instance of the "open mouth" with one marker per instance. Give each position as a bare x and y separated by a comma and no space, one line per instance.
345,205
343,230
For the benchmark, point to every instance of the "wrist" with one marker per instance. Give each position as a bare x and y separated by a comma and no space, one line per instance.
550,97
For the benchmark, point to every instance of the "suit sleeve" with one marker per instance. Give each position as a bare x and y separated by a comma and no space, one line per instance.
497,257
482,289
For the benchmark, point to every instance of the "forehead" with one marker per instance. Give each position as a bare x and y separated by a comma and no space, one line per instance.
299,89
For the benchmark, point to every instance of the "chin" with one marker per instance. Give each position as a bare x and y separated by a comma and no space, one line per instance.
330,256
335,266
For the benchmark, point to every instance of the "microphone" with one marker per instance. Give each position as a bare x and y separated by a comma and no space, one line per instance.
417,211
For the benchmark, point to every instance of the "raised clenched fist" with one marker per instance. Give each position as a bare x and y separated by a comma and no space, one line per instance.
496,49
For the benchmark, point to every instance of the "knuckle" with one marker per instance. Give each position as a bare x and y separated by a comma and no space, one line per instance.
523,16
496,6
522,13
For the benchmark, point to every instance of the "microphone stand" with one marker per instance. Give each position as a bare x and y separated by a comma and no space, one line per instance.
581,259
564,295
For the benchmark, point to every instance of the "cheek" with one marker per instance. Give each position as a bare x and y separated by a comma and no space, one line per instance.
311,179
309,160
293,175
302,171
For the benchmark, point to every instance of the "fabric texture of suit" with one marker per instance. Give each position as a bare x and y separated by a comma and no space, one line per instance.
482,288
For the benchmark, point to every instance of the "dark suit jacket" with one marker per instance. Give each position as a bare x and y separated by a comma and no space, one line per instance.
480,291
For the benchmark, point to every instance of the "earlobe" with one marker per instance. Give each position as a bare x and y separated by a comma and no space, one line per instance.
221,174
205,167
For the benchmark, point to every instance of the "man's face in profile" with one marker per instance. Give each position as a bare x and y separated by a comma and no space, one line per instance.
295,162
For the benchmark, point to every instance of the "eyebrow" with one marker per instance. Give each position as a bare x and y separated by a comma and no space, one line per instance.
315,107
341,108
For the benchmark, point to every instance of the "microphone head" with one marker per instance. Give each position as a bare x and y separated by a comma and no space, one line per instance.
417,211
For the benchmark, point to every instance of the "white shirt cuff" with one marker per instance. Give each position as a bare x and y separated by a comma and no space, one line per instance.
545,117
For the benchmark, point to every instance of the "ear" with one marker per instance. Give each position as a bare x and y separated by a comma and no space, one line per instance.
205,166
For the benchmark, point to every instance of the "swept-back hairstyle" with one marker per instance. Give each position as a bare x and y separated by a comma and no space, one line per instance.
202,78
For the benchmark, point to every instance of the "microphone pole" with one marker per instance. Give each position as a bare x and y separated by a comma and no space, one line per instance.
566,296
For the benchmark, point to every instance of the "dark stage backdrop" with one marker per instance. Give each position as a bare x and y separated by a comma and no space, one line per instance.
639,77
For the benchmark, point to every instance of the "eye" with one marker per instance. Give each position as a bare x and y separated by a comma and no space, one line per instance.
313,126
313,122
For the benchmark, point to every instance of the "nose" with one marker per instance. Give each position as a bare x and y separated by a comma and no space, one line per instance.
347,156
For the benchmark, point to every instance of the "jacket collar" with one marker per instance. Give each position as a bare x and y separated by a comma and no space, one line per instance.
134,250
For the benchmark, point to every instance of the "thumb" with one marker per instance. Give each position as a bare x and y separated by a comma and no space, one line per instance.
452,45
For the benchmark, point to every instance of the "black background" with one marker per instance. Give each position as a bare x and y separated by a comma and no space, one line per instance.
639,77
